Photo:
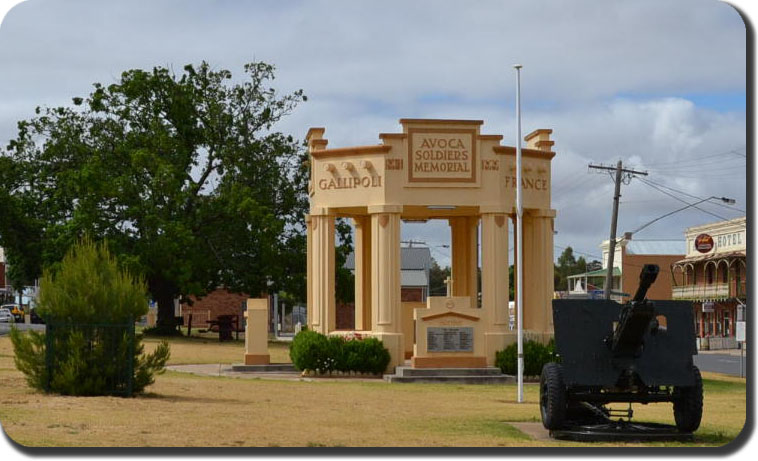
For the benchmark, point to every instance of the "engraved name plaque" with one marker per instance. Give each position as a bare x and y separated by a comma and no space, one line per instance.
450,339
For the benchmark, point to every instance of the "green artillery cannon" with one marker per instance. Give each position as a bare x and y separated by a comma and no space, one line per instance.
640,352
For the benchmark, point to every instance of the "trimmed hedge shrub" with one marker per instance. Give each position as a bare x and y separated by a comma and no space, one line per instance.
535,356
314,351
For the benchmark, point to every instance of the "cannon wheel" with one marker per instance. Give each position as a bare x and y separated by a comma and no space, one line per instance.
688,407
552,396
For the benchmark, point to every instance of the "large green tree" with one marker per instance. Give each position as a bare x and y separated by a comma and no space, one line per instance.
437,276
185,175
567,265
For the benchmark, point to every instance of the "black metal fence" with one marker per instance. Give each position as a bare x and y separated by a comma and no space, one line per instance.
95,359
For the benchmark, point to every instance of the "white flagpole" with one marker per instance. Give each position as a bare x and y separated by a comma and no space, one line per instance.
519,243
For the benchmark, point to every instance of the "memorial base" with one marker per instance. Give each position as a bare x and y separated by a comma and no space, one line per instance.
257,359
393,342
449,362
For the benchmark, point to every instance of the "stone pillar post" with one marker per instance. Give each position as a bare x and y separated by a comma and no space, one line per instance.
362,273
464,239
256,332
386,316
495,284
321,280
538,273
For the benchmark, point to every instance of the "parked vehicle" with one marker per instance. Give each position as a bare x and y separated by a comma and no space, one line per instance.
6,316
34,317
16,311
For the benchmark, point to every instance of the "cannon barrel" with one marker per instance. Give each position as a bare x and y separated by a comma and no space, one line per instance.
635,317
647,276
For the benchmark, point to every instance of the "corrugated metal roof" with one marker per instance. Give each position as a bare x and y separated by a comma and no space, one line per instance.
732,254
413,278
597,273
656,247
415,258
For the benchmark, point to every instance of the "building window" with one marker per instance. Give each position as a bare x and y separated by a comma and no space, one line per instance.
737,274
697,324
727,324
709,274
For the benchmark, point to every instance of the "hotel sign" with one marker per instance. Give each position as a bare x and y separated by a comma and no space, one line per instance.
704,243
441,155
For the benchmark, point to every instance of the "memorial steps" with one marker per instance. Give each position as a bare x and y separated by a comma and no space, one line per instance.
488,375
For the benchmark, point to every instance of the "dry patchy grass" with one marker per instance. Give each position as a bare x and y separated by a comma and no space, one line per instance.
188,410
208,350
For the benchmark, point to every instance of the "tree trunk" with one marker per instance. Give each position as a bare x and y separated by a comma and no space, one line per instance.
164,294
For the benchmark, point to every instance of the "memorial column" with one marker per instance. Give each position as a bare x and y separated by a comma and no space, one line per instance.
362,273
322,273
464,238
309,271
386,316
538,267
495,284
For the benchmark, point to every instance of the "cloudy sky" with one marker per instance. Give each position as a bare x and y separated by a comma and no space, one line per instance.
658,84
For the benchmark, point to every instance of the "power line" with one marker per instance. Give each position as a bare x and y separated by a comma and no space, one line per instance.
681,200
717,166
693,196
732,151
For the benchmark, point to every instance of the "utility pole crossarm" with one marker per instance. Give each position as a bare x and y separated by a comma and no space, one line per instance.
619,169
613,168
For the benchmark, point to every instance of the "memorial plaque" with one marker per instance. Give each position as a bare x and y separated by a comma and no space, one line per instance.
442,339
442,155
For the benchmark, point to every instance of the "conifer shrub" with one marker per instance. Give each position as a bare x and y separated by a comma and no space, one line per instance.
313,351
90,348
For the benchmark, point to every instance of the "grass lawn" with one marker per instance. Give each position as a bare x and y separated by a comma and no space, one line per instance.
206,348
187,410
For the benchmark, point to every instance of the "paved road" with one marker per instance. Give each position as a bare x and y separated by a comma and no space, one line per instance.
5,328
721,363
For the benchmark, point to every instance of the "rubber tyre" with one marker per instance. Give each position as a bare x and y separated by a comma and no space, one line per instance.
688,407
552,396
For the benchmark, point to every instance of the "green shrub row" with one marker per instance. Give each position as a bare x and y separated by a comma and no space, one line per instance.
535,356
313,351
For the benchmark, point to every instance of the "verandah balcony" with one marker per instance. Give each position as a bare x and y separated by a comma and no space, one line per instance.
714,291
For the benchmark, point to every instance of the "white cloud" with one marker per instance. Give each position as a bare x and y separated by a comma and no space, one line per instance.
614,79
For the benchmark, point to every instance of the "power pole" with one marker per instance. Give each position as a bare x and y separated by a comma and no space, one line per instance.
619,169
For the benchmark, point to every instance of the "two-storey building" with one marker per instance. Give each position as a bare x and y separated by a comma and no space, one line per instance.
713,276
629,258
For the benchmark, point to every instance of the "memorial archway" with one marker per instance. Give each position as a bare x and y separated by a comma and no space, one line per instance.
434,169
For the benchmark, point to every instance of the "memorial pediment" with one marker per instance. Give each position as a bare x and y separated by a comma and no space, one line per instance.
415,168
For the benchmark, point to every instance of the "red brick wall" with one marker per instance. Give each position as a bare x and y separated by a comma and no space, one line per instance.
411,294
345,316
215,303
346,311
661,289
2,275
